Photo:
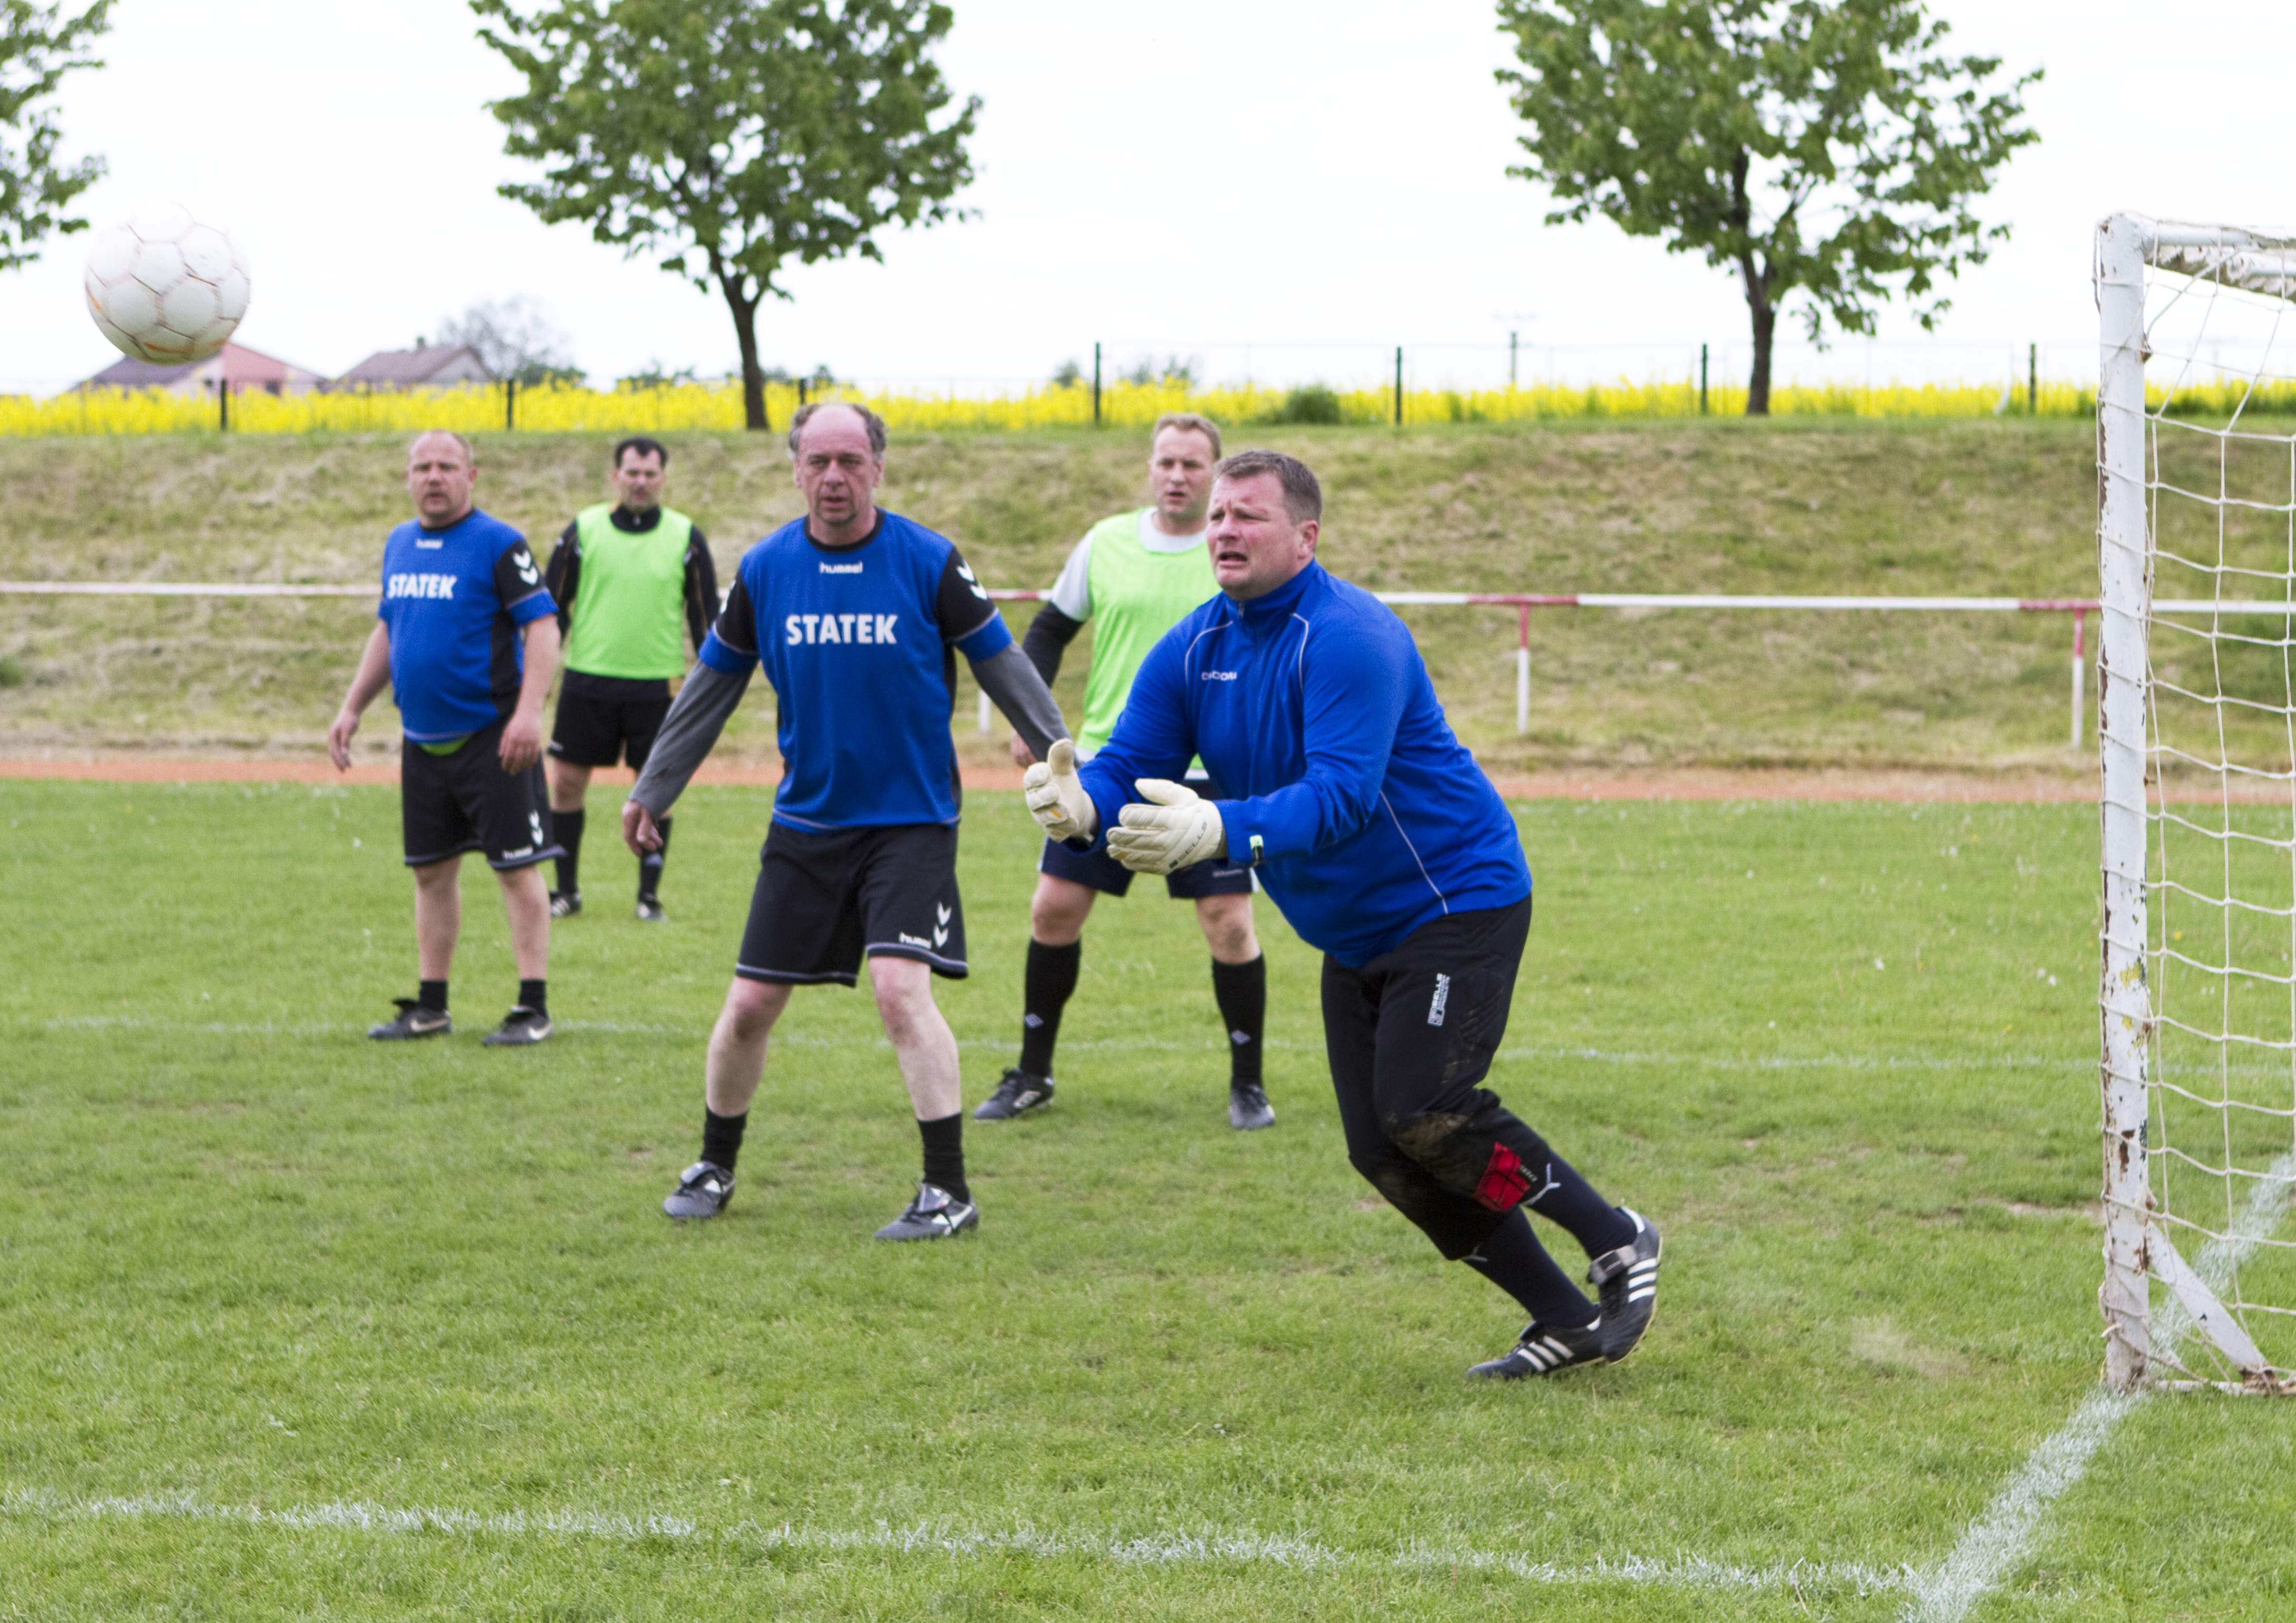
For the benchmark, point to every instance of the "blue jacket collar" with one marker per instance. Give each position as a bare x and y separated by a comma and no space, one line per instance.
1262,613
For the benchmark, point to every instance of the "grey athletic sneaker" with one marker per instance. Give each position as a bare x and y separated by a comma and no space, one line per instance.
702,1190
413,1020
1016,1095
565,903
1247,1110
1626,1282
1542,1352
934,1215
520,1026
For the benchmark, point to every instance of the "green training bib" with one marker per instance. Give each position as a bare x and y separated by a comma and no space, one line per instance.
629,604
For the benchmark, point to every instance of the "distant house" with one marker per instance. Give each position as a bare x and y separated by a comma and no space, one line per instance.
424,366
243,369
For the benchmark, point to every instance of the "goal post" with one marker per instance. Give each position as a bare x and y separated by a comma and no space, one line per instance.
2196,709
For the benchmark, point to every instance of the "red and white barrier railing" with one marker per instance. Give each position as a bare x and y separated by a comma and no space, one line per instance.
1521,603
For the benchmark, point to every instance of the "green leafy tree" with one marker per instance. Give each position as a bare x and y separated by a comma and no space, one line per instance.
1829,148
738,135
39,46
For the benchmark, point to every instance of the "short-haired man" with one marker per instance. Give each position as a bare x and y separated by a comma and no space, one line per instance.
1134,577
1384,845
467,640
631,581
857,616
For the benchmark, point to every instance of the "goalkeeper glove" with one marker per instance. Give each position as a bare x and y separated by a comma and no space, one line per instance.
1055,797
1177,831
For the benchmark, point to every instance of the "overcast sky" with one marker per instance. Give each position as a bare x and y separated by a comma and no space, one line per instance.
1320,179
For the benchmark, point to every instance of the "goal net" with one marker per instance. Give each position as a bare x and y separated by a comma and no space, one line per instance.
2196,691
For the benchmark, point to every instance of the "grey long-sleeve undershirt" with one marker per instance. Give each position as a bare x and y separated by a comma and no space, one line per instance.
709,698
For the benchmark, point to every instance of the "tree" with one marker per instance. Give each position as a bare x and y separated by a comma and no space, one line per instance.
39,46
514,340
1831,148
738,135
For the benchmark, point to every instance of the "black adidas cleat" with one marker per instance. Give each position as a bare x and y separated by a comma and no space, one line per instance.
565,903
649,911
1016,1095
520,1028
1543,1352
413,1020
934,1215
702,1190
1625,1280
1247,1110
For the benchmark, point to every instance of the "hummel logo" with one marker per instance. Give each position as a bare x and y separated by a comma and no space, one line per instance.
840,569
909,940
941,911
428,546
965,574
528,571
1442,999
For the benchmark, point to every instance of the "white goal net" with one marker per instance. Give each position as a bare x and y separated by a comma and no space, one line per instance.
2196,555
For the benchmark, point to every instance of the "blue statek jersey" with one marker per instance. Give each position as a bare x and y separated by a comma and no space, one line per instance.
454,601
860,643
1315,718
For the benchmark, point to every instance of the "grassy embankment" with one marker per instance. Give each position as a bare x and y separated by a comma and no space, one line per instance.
1788,507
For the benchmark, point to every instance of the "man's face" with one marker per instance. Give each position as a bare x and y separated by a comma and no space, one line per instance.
637,478
835,468
1255,545
1180,474
440,476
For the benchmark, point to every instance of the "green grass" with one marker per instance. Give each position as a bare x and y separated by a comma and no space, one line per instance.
1799,505
252,1263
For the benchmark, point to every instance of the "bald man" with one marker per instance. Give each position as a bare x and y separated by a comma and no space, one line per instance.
466,638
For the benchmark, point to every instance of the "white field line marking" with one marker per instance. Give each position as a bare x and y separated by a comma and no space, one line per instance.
1998,1541
1150,1549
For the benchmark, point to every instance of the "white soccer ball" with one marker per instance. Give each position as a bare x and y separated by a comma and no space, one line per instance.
165,288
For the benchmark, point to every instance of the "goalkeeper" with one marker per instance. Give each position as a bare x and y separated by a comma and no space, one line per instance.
1385,845
1132,576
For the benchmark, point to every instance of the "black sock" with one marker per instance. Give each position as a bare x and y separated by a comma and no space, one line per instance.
1566,1198
1241,990
566,828
431,995
534,995
945,1154
649,865
1512,1259
721,1137
1044,988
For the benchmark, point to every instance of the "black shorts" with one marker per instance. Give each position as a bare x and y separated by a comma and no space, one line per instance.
1097,870
826,900
449,803
603,720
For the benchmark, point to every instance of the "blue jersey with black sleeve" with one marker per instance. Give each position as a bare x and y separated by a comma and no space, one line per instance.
454,601
1344,784
860,643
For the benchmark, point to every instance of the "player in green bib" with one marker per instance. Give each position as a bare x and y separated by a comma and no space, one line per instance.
631,581
1132,578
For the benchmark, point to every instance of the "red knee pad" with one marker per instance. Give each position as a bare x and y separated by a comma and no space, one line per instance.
1504,1182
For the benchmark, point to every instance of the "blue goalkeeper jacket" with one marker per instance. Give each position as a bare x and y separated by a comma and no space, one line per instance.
1341,782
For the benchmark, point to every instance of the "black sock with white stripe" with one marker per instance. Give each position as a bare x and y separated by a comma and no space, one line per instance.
1512,1259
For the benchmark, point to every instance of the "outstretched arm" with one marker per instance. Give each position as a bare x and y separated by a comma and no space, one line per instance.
1014,687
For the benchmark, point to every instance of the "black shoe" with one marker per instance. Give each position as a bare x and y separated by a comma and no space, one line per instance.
519,1027
1627,1280
413,1020
702,1190
1016,1095
934,1215
565,903
1247,1110
649,911
1542,1352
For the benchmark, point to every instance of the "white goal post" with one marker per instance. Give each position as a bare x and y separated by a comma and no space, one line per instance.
2196,703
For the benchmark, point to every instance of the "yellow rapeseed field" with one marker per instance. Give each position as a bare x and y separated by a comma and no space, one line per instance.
482,409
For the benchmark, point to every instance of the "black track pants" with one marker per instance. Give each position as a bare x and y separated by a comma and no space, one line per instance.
1411,1035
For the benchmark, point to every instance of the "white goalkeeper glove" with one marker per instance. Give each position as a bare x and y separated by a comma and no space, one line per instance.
1179,830
1055,796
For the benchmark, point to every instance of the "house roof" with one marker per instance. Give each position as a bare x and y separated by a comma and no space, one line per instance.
404,367
239,363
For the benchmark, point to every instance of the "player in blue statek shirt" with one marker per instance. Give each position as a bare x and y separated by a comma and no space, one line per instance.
857,616
1382,842
467,641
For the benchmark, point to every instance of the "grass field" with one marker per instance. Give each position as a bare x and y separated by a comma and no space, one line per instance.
1792,505
292,1325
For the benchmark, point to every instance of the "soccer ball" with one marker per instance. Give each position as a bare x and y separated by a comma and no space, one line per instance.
165,288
